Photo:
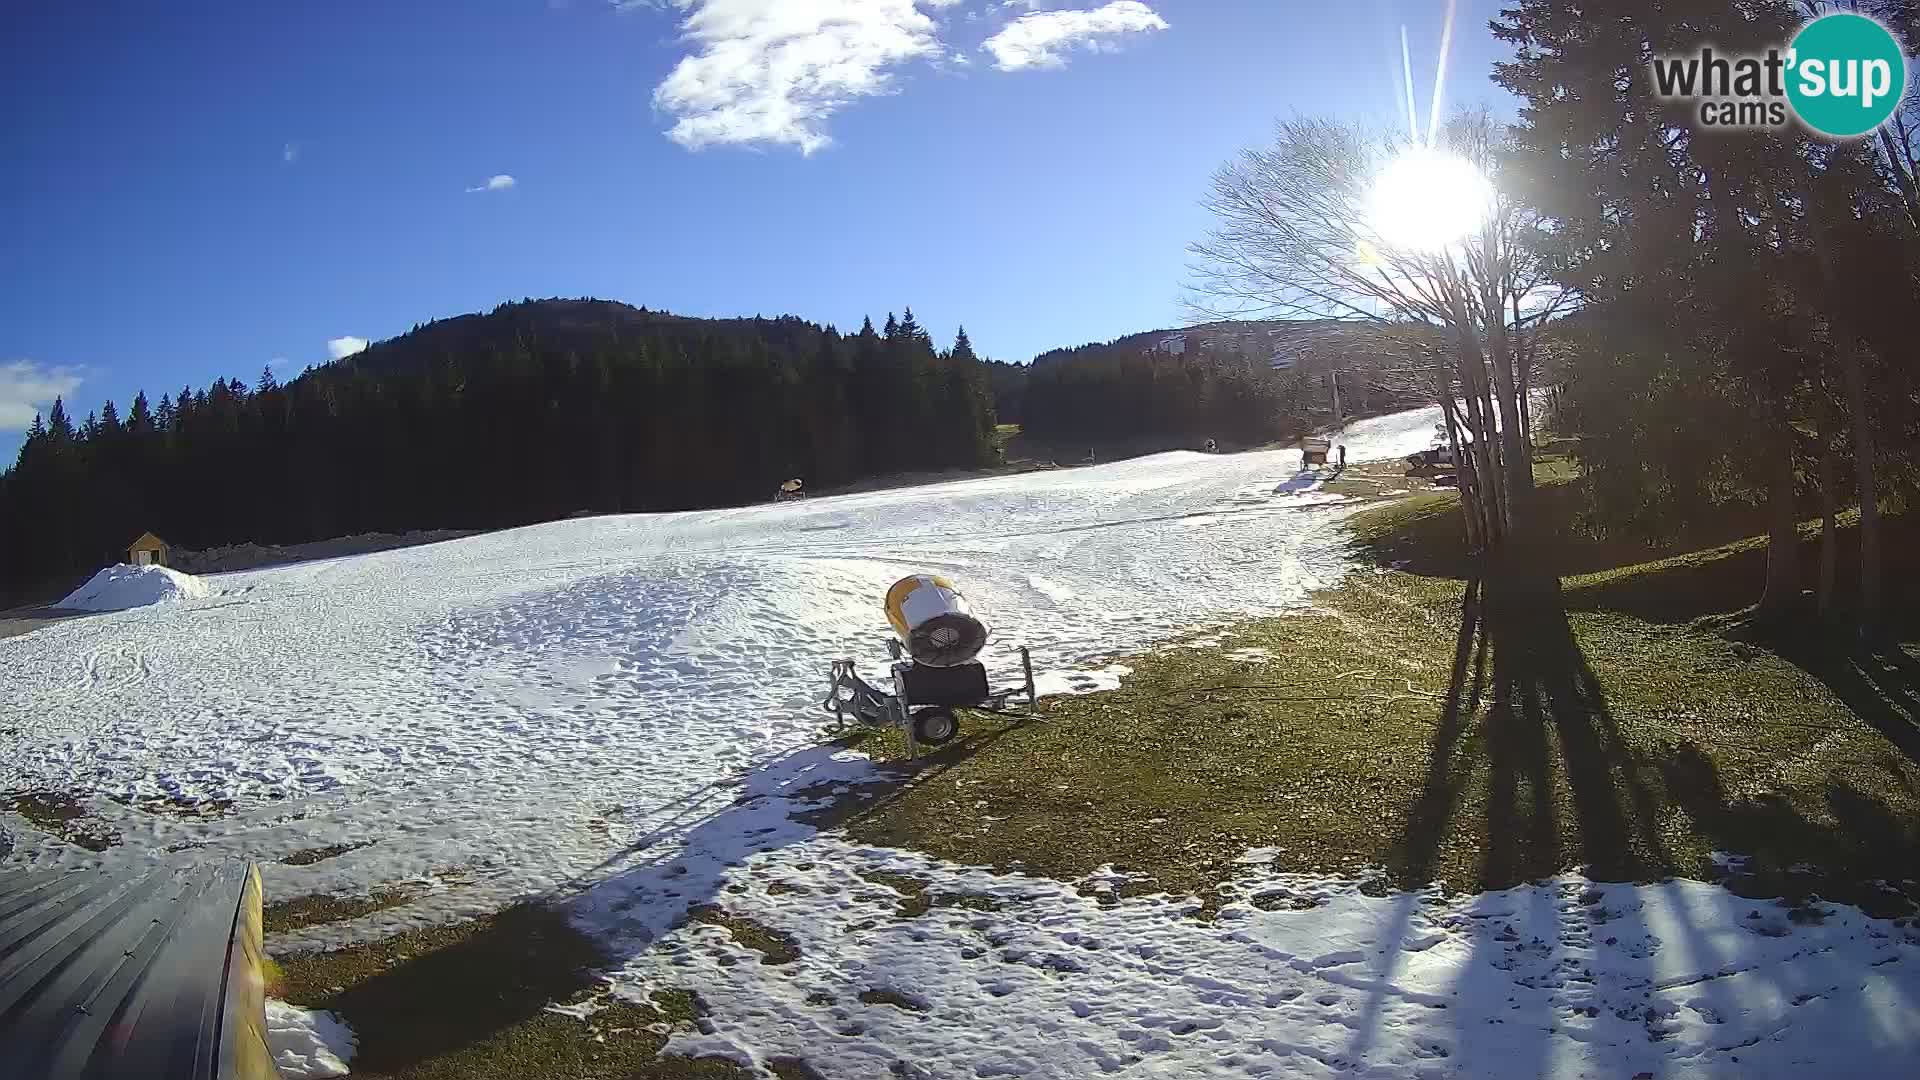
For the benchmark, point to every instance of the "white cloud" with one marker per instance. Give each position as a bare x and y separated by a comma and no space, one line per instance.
1042,39
500,182
27,388
290,153
773,71
342,347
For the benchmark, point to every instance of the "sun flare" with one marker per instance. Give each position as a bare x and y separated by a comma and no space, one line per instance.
1425,199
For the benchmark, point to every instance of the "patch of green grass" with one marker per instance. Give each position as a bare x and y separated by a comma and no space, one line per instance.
1410,725
773,946
302,911
469,1002
1716,569
59,814
1423,534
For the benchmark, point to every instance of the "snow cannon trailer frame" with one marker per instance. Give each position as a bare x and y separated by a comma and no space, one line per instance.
924,697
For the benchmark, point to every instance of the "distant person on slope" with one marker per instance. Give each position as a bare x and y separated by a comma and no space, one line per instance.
1340,456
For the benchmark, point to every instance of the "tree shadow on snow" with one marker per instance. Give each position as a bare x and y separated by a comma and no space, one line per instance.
1547,774
1543,780
677,869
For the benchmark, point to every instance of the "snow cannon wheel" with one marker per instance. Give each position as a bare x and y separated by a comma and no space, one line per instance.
935,726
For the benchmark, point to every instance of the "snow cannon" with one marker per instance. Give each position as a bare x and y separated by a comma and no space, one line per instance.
934,621
937,635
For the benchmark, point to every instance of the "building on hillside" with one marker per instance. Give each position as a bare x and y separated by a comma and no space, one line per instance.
1172,344
149,550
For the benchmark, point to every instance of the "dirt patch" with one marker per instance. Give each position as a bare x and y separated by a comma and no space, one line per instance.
221,560
791,1068
967,901
189,810
894,998
61,815
1376,480
319,854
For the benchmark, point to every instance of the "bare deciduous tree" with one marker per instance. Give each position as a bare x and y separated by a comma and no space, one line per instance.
1299,233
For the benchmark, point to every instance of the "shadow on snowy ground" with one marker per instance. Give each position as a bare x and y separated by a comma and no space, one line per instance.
677,869
1549,725
1546,713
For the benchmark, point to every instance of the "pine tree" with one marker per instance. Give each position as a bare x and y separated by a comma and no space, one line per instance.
267,382
892,330
513,422
59,428
963,349
911,330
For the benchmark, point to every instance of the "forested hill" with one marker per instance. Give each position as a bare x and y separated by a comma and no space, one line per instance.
1222,383
565,325
532,411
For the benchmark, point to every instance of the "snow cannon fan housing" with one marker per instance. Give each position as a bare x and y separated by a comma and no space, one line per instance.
934,621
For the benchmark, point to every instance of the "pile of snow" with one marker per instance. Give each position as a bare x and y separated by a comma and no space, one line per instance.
119,587
306,1043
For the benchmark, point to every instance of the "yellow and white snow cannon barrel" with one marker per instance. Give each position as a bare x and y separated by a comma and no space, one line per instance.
934,621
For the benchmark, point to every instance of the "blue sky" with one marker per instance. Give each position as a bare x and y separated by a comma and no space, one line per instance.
200,190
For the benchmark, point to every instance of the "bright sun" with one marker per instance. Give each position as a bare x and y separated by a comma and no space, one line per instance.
1426,199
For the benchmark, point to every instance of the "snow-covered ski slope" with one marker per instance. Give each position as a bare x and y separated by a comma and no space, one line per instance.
619,714
488,693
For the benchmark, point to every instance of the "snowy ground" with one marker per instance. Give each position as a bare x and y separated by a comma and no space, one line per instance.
307,1045
622,711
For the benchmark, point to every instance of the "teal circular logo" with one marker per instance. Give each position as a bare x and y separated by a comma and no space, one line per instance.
1846,74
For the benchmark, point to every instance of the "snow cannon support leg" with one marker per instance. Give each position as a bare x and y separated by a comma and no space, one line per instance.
1026,666
903,716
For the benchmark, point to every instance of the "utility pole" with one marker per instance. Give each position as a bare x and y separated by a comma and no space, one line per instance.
1333,376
